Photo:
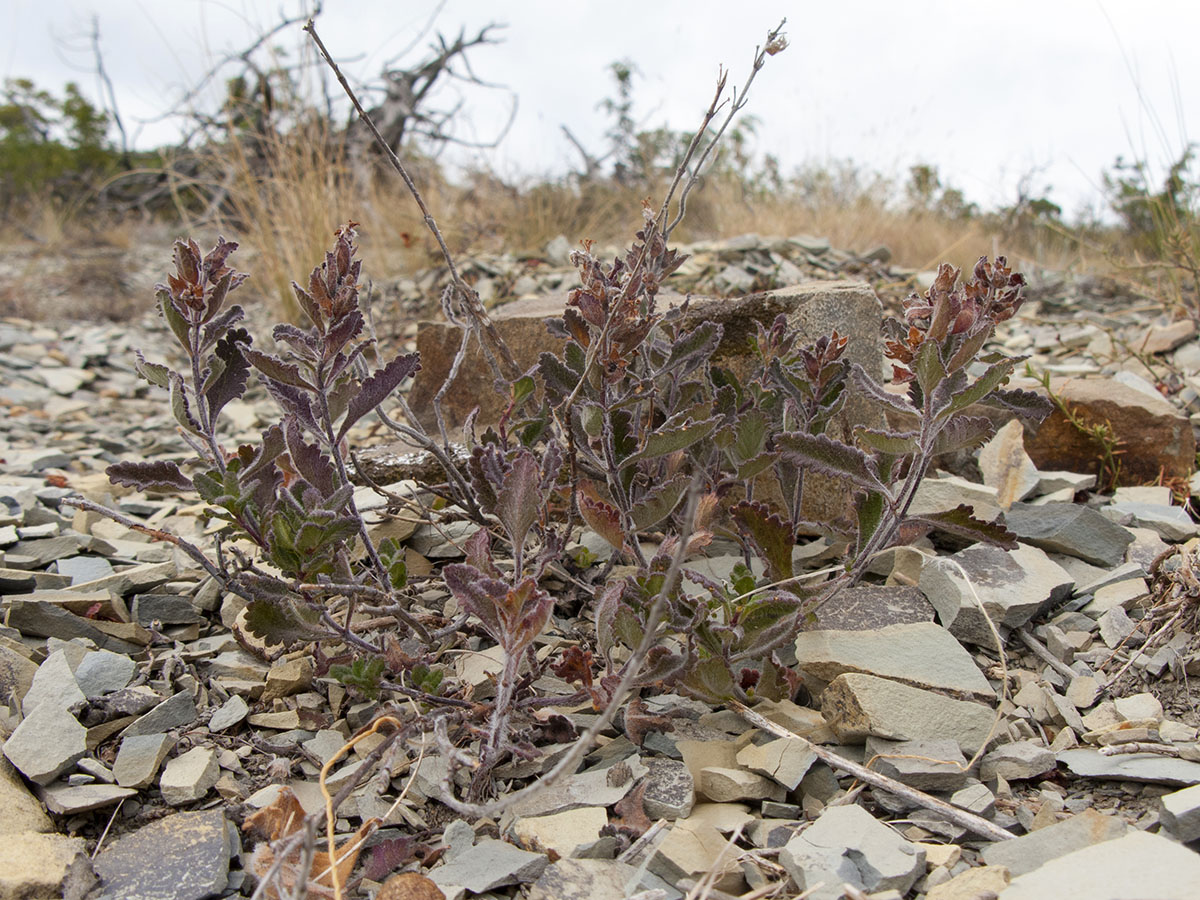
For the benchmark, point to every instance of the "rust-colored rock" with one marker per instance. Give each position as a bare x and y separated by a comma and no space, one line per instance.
1155,440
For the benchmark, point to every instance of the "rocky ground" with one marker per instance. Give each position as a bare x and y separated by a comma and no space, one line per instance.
150,744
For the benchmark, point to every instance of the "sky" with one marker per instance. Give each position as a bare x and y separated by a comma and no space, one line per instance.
1051,91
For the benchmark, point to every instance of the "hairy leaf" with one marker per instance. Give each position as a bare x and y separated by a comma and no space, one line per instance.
694,348
961,522
294,403
1026,404
230,382
772,536
157,375
895,443
519,500
869,508
275,369
660,501
559,380
377,388
712,680
995,375
823,454
310,463
179,406
963,433
149,476
668,438
282,621
601,516
877,393
178,324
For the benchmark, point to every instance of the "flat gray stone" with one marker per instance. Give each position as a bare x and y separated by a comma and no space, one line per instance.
1138,864
166,609
81,569
860,706
22,811
784,761
930,765
36,865
1171,522
670,790
53,684
922,654
847,845
180,857
1007,467
596,879
189,777
178,709
1013,585
1181,813
1149,767
71,800
1072,529
489,865
1020,760
36,619
16,675
865,607
139,758
47,743
104,672
231,712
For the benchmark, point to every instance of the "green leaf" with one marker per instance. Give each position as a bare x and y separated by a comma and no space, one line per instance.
751,436
963,433
177,322
282,621
1028,405
772,536
928,366
995,376
961,523
179,406
823,454
711,679
669,438
362,674
869,508
159,376
660,501
522,388
895,443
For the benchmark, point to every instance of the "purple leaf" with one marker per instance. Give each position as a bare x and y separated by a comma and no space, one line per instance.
375,389
387,856
519,500
961,523
294,403
275,369
478,594
162,475
230,383
310,463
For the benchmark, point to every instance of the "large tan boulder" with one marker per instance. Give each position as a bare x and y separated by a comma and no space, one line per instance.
813,309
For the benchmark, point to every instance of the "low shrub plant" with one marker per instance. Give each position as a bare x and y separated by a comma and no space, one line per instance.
630,431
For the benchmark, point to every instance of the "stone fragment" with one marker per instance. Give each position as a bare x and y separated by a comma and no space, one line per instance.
922,654
82,569
670,790
231,712
1137,864
1156,439
22,811
591,879
729,785
288,677
1007,467
930,765
71,799
563,832
189,777
1180,813
784,761
1164,338
602,787
1013,586
1030,851
54,684
1172,523
1138,706
36,866
1070,528
489,865
46,743
847,845
165,609
1020,760
184,856
859,706
1150,767
973,884
939,494
1116,627
866,607
16,675
693,845
104,672
178,709
976,798
1119,594
38,619
139,757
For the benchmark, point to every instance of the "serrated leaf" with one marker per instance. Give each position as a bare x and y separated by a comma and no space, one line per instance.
961,523
162,475
752,467
711,679
377,388
772,536
660,501
179,406
695,347
668,438
157,375
602,517
989,381
1028,405
963,433
282,621
275,369
294,403
823,454
875,391
177,323
750,436
518,502
928,366
309,461
559,380
522,388
895,443
230,382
